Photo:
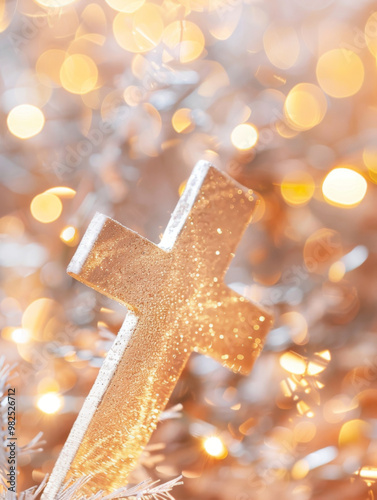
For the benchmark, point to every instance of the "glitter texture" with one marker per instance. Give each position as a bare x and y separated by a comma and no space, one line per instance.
178,303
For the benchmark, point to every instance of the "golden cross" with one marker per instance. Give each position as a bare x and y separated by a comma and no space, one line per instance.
178,303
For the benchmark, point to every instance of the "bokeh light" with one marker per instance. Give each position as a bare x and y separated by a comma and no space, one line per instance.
140,32
368,474
127,6
214,446
69,235
78,74
35,318
108,106
319,363
300,469
297,188
354,432
61,191
20,335
340,73
25,121
344,187
370,161
184,41
182,121
50,403
337,271
48,67
305,106
46,207
54,4
293,363
244,136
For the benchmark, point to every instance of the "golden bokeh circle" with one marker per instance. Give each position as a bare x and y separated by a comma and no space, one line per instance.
340,73
182,121
25,121
244,136
184,41
127,6
297,188
140,32
78,74
46,207
48,67
305,106
344,187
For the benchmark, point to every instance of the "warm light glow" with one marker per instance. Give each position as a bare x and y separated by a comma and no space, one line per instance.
140,32
184,41
344,187
50,403
353,432
20,335
78,74
48,385
37,315
69,235
224,26
293,363
370,161
244,136
128,6
281,45
284,130
215,447
315,368
368,473
337,271
48,67
304,409
286,390
340,73
133,95
46,207
326,355
62,191
54,4
297,188
305,106
25,121
300,469
182,187
182,121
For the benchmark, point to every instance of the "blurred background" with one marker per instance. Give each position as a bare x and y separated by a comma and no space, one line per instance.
107,106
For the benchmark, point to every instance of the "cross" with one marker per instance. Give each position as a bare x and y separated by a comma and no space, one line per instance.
177,303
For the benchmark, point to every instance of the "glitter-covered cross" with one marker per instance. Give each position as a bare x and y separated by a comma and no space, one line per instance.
178,303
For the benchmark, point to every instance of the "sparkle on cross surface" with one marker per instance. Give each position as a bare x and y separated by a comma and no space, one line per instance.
178,303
